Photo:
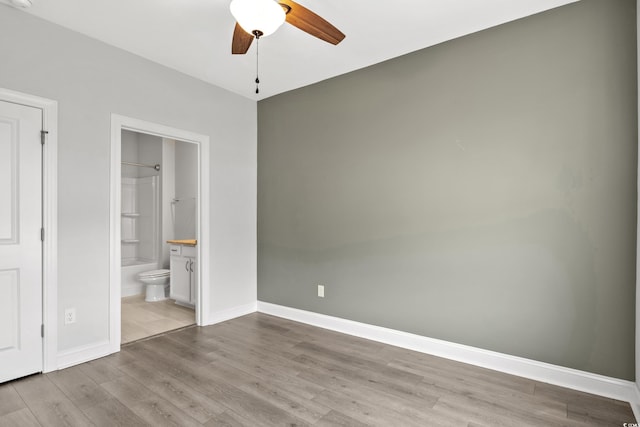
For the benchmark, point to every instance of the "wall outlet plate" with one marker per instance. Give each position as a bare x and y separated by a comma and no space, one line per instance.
69,316
321,291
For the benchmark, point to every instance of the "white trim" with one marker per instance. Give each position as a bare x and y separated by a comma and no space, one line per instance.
118,123
539,371
636,410
635,403
231,313
83,354
50,220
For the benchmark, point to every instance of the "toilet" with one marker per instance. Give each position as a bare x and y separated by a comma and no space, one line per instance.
155,281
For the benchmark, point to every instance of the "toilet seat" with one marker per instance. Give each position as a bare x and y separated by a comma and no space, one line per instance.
154,274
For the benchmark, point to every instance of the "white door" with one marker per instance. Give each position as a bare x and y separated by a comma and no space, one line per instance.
20,241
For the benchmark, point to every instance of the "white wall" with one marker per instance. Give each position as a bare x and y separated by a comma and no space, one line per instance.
90,80
168,193
185,190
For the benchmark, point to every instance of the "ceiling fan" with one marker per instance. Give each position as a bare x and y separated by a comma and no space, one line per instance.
258,18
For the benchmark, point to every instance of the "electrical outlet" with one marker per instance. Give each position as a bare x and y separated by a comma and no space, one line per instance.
321,291
69,316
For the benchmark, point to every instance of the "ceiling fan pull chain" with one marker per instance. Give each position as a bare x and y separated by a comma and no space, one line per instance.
257,62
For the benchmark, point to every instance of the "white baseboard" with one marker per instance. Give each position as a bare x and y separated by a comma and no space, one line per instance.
75,356
230,313
539,371
635,403
83,354
129,291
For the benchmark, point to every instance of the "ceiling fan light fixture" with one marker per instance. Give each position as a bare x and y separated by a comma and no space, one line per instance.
263,16
23,4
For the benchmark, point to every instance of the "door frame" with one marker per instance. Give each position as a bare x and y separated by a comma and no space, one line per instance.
49,110
118,124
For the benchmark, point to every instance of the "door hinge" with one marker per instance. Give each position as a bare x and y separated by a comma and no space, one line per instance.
43,135
42,330
42,234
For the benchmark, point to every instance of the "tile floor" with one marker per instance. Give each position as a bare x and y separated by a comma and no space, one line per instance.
141,319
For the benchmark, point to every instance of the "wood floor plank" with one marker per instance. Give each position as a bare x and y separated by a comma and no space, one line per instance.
259,409
364,411
191,373
414,407
147,405
120,358
101,370
338,419
48,403
444,382
373,370
78,387
494,413
310,333
10,400
277,358
195,404
407,388
184,351
254,339
111,412
204,379
424,364
272,391
586,407
228,419
20,418
195,338
273,371
412,399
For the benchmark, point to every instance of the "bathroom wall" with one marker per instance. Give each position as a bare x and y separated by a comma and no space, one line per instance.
168,194
481,191
149,153
129,153
140,148
186,190
144,149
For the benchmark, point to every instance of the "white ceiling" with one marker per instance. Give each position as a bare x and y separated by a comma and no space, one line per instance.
194,36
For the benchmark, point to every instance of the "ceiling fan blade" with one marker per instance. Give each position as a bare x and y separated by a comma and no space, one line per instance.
309,22
241,41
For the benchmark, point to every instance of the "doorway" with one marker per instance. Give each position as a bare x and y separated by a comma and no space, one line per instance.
159,194
158,231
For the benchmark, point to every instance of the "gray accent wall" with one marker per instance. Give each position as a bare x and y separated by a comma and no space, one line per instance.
481,191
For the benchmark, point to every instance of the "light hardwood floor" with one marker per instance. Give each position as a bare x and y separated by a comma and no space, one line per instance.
141,319
260,370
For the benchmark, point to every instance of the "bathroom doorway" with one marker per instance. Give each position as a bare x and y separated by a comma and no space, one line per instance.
158,230
159,209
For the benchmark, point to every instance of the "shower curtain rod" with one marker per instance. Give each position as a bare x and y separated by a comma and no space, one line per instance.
156,167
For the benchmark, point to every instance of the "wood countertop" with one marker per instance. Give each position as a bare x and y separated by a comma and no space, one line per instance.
187,242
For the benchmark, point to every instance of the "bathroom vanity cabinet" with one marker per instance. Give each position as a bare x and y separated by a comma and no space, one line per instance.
183,274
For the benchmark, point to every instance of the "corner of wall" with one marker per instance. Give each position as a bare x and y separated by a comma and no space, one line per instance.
637,344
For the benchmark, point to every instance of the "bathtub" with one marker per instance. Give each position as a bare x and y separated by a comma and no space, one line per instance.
130,285
140,233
